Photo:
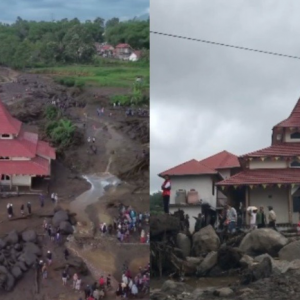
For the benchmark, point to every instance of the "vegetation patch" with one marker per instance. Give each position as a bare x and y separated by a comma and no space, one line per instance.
61,132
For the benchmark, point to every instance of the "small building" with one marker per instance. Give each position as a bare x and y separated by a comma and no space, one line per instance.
271,176
135,56
23,157
194,183
123,51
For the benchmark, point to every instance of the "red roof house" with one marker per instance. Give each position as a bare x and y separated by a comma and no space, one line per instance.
22,155
271,176
200,178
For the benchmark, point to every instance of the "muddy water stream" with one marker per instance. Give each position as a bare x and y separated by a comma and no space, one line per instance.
98,183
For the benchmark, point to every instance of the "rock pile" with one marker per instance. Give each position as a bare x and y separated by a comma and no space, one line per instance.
62,221
18,253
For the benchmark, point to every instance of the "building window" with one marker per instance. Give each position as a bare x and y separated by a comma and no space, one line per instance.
5,177
278,136
295,135
213,188
295,164
5,136
4,158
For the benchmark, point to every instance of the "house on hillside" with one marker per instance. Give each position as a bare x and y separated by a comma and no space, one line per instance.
123,51
194,183
104,50
23,157
271,176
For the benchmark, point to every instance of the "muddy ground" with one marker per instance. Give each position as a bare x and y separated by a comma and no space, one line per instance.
120,142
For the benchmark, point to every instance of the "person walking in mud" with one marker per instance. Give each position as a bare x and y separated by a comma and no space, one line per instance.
261,218
29,208
166,192
42,202
231,218
22,209
272,218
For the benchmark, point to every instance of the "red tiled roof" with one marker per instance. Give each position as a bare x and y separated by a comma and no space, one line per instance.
221,160
294,119
191,167
123,46
24,145
36,166
8,124
106,47
45,149
263,176
283,149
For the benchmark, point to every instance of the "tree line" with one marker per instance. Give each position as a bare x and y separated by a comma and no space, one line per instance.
36,44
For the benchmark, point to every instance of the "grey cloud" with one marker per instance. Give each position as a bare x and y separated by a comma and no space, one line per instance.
229,98
83,10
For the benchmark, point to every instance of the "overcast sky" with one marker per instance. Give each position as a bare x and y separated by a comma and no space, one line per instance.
82,9
204,98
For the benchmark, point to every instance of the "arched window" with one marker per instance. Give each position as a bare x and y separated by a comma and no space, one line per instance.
295,164
295,135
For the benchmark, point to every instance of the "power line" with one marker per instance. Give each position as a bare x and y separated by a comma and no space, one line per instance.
224,45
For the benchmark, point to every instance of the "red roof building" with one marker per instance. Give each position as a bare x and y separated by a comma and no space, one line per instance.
271,176
193,182
22,155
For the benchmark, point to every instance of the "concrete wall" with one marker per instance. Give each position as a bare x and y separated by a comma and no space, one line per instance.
276,197
192,212
287,137
267,164
202,184
21,180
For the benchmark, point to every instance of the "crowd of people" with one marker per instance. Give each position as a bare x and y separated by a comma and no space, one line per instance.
134,285
126,224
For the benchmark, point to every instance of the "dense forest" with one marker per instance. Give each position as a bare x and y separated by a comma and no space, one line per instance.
34,44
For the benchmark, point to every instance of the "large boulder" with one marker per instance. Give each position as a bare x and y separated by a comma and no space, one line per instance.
170,287
28,258
16,272
32,248
184,244
208,263
2,244
264,240
65,227
29,236
59,217
191,264
290,252
229,258
205,240
163,223
12,238
259,271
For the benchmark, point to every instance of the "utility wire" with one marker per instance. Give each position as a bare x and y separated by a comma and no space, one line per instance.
224,45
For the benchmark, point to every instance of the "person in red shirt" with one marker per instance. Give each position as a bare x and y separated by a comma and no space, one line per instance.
102,282
166,192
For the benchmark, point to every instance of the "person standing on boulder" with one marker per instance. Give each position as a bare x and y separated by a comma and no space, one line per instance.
166,192
272,218
231,218
261,218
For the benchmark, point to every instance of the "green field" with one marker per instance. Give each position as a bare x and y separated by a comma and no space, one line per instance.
120,74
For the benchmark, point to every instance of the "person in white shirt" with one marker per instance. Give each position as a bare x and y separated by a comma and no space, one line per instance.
252,214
